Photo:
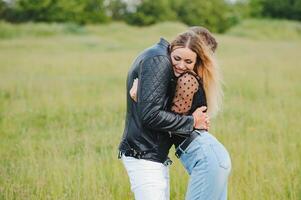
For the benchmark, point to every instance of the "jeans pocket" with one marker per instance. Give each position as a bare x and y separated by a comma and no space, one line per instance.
222,155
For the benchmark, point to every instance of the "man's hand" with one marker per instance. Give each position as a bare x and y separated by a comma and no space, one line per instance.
133,90
201,119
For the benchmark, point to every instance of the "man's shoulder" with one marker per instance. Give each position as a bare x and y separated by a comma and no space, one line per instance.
156,56
154,51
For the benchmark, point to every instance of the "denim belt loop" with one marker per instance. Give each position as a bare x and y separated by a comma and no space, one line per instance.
179,149
200,132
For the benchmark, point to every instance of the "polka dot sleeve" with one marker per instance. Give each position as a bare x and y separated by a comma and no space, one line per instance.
187,86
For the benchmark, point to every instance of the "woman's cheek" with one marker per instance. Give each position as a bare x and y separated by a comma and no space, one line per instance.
174,62
191,67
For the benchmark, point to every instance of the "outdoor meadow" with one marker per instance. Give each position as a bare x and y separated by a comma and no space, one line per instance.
62,108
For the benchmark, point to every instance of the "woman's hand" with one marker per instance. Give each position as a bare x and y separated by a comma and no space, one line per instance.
133,90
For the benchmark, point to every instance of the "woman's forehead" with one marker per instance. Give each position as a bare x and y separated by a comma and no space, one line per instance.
184,52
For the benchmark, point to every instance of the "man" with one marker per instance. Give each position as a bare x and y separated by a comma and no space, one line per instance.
148,126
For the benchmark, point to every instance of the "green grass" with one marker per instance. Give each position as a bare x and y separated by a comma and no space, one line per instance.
268,29
62,106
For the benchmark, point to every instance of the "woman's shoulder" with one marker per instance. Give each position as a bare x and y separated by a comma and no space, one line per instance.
190,77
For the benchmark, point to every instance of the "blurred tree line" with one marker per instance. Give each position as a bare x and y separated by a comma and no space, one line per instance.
78,11
217,15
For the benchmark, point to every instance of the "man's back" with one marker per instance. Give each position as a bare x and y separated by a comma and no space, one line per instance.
136,136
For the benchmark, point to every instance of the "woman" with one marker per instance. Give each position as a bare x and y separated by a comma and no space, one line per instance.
198,84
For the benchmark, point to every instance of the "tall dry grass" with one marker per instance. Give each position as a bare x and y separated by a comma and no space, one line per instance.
62,104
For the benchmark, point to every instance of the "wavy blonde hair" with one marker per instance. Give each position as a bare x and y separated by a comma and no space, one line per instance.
206,67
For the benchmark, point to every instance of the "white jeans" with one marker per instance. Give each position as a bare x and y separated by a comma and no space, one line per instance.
149,180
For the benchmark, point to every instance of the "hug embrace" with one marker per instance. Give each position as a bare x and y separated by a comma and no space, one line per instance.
172,91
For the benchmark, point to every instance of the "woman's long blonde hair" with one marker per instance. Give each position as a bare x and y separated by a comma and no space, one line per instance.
206,67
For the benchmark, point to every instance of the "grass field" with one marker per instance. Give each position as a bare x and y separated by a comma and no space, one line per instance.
62,106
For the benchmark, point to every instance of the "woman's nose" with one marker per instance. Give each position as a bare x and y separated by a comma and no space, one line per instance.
181,65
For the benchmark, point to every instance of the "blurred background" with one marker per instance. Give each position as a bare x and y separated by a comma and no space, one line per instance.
217,15
63,66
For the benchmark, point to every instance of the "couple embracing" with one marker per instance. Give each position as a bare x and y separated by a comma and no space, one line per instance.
172,90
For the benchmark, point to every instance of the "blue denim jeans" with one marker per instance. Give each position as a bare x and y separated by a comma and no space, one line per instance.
208,163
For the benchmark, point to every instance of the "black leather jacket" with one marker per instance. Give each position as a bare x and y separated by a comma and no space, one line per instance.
148,124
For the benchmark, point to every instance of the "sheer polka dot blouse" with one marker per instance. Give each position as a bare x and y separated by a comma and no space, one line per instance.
187,86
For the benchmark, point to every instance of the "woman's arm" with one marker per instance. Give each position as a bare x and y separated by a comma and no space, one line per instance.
187,86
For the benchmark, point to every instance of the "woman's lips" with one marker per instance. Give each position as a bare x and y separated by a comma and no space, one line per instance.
179,71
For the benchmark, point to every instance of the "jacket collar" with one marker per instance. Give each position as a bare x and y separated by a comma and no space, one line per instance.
164,42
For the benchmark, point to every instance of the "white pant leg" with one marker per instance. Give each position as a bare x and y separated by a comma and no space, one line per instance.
149,180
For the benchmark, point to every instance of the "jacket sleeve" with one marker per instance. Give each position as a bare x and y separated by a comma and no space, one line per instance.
154,78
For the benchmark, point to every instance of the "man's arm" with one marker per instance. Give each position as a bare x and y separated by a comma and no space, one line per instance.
153,84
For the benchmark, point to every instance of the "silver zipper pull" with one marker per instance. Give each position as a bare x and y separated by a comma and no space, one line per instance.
169,133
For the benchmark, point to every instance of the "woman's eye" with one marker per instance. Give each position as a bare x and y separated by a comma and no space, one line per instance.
188,62
177,58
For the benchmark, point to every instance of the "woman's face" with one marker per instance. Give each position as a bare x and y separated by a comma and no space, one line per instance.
183,59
